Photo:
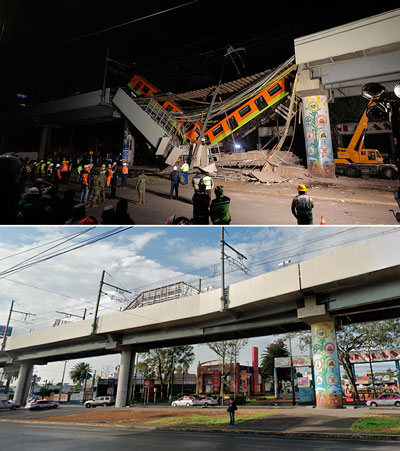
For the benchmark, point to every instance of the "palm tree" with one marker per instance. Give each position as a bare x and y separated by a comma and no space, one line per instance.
81,372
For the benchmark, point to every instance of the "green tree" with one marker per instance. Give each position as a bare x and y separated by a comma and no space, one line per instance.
80,373
163,361
276,349
228,352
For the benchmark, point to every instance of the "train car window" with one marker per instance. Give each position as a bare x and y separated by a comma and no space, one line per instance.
233,123
276,88
245,110
217,130
145,89
138,85
261,103
168,108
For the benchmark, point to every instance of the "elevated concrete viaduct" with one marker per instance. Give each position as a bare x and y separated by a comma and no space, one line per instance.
359,283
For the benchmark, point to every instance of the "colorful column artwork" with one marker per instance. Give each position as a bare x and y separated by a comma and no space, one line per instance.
317,133
328,390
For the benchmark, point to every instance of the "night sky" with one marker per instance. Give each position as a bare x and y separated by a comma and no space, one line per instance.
57,48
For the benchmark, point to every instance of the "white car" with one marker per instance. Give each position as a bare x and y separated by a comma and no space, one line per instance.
207,401
185,401
100,401
385,399
41,404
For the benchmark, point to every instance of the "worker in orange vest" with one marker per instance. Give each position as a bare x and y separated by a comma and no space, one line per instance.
125,171
109,175
85,184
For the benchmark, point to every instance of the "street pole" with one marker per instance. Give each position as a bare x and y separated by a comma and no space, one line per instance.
3,344
223,300
103,91
291,372
94,326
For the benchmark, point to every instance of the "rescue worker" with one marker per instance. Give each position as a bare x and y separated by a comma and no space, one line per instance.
43,167
175,180
85,185
302,206
209,184
94,190
125,171
185,171
219,209
196,182
102,183
78,173
64,171
109,175
141,187
201,202
57,175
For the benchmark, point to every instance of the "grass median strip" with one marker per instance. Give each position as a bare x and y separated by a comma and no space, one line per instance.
214,420
377,423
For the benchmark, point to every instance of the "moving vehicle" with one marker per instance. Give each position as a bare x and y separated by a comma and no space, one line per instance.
41,404
207,401
355,160
186,401
385,399
100,401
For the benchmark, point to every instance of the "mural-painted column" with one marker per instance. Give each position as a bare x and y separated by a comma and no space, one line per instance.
317,134
328,390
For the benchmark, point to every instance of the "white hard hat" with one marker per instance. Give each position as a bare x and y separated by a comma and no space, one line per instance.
175,168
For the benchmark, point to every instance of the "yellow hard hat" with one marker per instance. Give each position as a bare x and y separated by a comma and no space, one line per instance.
302,188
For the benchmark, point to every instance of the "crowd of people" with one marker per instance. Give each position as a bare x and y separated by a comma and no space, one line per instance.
33,194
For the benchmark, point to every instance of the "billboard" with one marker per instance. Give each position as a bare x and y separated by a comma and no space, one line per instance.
3,329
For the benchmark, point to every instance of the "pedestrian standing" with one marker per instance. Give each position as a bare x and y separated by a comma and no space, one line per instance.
114,181
302,206
141,187
220,208
175,180
232,407
185,171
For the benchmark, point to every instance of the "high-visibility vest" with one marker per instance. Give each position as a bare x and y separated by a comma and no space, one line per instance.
85,178
185,167
125,169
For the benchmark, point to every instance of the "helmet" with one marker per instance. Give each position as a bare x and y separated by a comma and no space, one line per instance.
219,190
302,188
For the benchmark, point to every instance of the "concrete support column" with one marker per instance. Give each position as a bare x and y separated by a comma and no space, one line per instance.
23,383
328,390
124,377
397,363
316,124
276,383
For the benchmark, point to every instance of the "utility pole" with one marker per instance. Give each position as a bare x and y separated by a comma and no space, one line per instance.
291,372
71,314
3,344
237,262
94,325
6,329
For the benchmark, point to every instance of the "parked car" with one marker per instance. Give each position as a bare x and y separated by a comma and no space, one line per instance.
207,401
100,401
41,404
186,401
385,399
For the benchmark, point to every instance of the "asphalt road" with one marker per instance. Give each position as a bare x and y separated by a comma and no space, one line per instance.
350,204
21,437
